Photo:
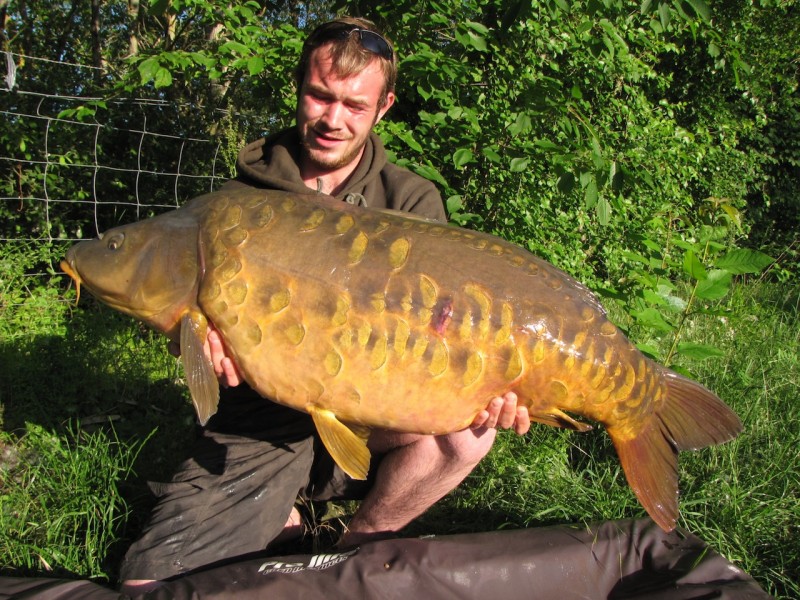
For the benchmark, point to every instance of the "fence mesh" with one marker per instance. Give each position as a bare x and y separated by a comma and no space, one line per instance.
68,173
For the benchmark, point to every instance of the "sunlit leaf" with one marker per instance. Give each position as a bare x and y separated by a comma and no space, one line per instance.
699,351
715,286
693,267
742,260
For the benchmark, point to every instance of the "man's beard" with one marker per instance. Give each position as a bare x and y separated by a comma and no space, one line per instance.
321,159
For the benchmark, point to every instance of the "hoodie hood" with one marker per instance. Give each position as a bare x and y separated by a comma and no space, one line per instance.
273,161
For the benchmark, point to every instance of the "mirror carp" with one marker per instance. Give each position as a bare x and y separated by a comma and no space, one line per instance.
378,319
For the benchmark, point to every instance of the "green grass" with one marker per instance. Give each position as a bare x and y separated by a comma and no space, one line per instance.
74,494
60,507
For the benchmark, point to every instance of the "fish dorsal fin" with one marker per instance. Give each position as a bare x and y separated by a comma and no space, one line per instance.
558,418
348,448
199,371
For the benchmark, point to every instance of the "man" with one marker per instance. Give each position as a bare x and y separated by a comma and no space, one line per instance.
235,495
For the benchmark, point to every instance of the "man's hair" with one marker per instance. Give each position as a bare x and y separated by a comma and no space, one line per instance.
348,54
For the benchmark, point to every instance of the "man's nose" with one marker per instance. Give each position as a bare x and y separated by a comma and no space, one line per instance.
333,115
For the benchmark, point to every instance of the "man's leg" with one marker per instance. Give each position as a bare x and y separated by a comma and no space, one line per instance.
415,473
419,470
231,498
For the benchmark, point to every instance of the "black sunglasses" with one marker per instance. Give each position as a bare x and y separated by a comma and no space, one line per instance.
369,40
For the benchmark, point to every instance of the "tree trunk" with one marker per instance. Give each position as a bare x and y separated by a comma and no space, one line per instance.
135,27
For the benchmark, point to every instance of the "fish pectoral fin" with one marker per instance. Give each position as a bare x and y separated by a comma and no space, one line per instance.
557,418
199,371
347,447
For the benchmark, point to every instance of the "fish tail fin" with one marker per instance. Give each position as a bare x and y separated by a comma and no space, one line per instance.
692,417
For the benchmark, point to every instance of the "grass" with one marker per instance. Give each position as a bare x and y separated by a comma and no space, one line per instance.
73,488
60,506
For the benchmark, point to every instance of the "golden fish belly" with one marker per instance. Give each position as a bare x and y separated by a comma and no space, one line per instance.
401,323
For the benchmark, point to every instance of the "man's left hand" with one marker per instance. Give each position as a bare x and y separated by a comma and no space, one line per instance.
503,412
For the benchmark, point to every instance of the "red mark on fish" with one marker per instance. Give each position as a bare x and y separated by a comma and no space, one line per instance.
442,316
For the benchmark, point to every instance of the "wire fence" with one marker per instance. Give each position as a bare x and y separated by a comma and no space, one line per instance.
67,173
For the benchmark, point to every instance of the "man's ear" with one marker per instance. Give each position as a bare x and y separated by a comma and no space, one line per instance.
385,108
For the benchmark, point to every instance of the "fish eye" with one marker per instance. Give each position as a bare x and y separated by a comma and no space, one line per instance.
115,241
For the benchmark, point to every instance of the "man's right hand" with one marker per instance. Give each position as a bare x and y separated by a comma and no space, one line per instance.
225,369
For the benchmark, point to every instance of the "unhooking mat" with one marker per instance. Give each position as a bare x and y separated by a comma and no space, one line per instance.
629,559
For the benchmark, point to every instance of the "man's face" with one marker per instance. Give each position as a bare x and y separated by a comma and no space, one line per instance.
335,116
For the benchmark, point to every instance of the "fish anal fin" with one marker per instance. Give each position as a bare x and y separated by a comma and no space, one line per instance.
650,463
557,418
348,447
199,371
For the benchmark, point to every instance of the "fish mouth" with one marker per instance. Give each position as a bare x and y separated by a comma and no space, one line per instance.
69,270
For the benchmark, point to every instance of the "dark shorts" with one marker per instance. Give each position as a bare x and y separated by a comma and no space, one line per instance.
235,492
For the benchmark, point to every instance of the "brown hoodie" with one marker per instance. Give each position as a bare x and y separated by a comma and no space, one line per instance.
272,162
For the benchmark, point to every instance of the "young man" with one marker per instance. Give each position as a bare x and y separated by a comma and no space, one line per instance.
236,493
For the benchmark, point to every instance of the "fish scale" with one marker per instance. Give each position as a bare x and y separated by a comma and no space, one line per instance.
376,319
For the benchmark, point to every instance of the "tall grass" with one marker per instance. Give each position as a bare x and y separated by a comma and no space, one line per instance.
90,365
60,506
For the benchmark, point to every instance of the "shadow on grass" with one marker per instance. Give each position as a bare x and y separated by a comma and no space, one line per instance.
104,372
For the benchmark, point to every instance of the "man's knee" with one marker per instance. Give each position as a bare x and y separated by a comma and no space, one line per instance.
464,448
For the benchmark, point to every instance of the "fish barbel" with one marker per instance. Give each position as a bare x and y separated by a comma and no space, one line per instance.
376,319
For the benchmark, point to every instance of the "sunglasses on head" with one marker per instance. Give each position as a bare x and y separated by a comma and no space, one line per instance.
369,40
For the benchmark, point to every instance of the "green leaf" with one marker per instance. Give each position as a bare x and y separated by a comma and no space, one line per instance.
664,14
743,260
590,194
462,156
479,28
492,155
478,42
454,204
409,140
701,8
693,267
519,164
147,69
428,172
521,124
234,48
699,351
716,286
603,211
548,146
650,317
255,65
163,78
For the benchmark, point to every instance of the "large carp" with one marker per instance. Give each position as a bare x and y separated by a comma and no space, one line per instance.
376,319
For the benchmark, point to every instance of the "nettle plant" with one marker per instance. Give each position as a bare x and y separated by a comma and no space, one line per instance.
684,272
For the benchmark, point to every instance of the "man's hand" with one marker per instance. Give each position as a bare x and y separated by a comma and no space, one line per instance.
504,412
224,367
